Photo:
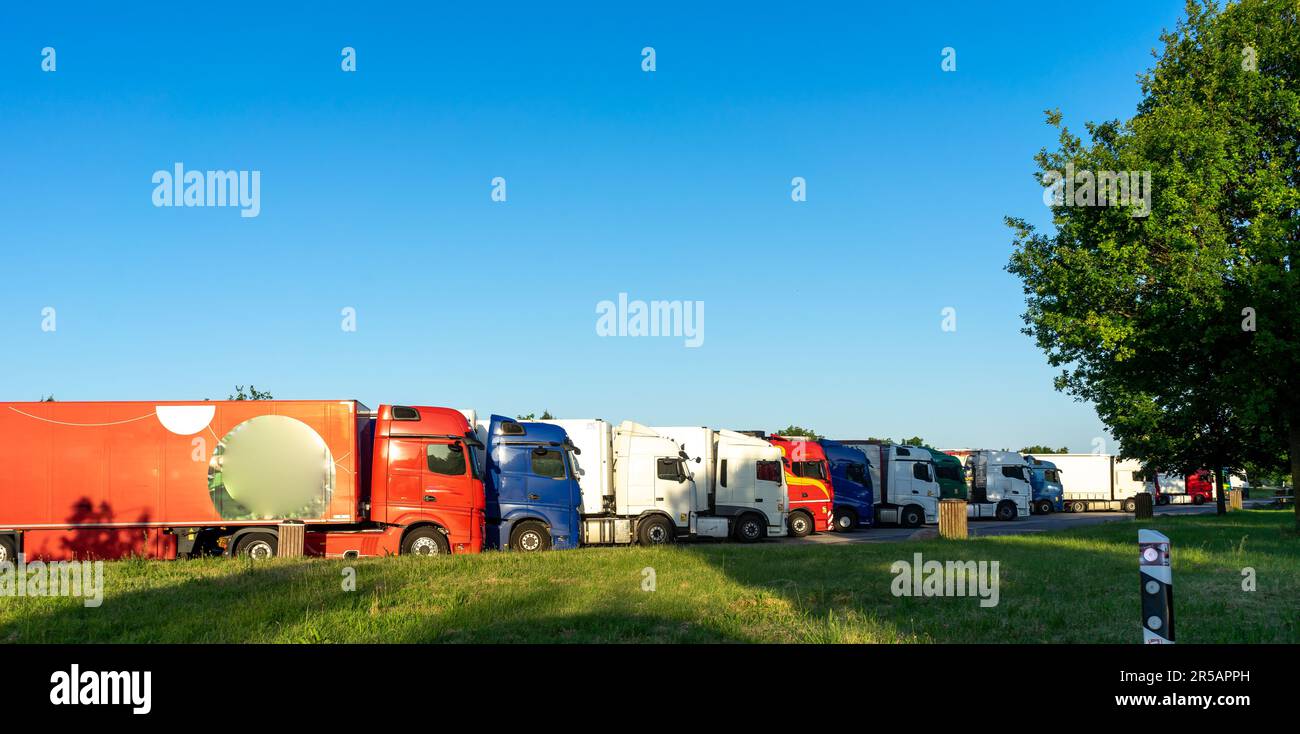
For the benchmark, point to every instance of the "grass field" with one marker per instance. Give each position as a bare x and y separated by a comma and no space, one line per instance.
1074,586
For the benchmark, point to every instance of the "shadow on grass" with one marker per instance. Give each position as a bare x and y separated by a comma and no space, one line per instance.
1073,586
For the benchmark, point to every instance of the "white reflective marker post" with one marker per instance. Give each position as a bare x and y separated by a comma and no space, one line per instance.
1157,588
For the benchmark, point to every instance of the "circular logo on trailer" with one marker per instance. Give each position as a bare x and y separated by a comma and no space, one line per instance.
271,466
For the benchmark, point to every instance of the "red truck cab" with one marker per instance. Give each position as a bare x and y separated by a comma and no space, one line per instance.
423,494
808,481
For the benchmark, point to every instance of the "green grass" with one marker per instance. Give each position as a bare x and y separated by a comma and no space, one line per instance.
1074,586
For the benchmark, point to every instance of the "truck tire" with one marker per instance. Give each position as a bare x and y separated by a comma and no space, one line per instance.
8,549
1130,505
1078,507
655,530
801,524
425,541
259,546
530,536
749,529
845,520
1044,507
1006,511
912,516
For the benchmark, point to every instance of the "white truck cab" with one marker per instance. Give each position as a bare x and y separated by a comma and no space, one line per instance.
731,482
999,485
904,481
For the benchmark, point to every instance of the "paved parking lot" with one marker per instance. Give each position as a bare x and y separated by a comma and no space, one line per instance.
1031,524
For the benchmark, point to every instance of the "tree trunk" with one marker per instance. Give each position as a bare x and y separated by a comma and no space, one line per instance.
1218,487
1293,448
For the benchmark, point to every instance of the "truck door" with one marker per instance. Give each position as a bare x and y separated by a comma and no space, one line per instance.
673,489
428,475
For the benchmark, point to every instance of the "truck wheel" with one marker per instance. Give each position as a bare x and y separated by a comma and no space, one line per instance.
258,546
749,529
800,524
1044,507
913,516
425,541
530,536
8,550
1006,511
846,520
1077,507
1130,505
655,531
1198,499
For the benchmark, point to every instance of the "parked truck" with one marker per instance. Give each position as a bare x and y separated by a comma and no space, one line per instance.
1196,488
851,481
108,480
999,485
951,474
903,477
1099,482
808,481
533,498
740,477
640,485
1049,496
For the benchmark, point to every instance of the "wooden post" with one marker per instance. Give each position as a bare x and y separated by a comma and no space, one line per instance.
1144,506
291,539
952,518
1234,499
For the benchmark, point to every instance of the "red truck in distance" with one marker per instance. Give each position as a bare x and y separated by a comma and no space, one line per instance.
808,481
108,480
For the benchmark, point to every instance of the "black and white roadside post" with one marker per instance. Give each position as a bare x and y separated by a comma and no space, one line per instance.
1157,588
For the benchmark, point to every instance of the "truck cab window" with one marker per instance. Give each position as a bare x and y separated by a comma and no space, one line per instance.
446,458
548,463
768,471
722,473
948,471
921,470
856,473
671,469
1015,472
812,469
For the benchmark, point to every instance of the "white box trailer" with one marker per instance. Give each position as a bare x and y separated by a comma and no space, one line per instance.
1100,482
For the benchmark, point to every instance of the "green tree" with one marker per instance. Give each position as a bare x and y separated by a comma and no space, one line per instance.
793,430
546,416
1044,450
251,394
1178,317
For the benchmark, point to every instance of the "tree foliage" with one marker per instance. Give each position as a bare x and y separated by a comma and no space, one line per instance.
1180,326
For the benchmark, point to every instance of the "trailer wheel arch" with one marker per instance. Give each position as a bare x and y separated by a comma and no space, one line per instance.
233,539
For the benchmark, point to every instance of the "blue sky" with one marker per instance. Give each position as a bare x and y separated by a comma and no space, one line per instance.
375,195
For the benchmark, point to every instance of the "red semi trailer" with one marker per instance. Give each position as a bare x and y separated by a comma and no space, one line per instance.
163,479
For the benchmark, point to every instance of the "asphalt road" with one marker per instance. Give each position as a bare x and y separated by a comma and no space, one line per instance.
1031,524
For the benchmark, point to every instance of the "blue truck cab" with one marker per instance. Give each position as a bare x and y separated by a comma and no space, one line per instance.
854,498
530,480
1045,480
